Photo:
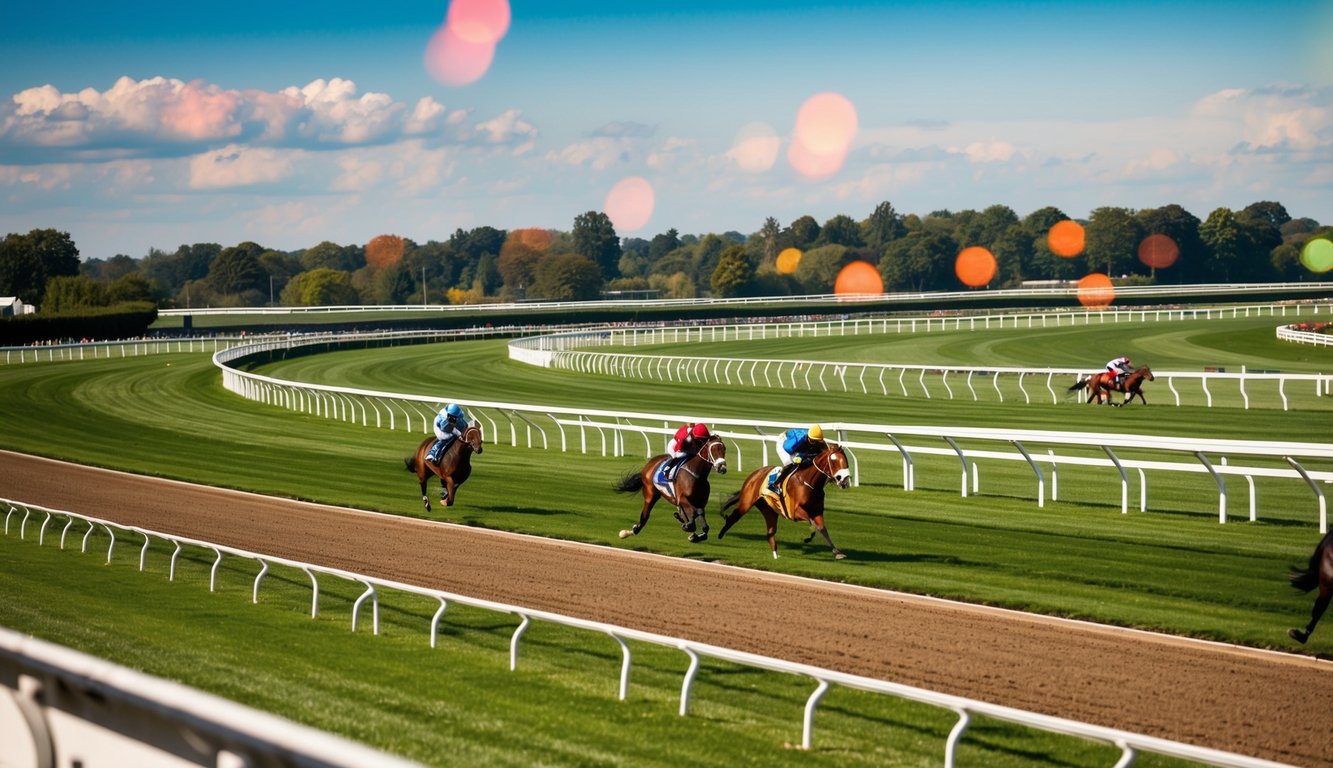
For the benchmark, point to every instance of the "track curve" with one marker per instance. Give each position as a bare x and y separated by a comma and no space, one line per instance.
1265,704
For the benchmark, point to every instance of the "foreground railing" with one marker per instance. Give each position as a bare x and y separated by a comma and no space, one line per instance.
1129,744
71,709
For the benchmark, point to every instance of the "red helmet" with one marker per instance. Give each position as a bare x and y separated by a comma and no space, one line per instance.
699,431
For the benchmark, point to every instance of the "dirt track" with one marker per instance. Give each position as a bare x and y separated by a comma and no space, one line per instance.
1269,705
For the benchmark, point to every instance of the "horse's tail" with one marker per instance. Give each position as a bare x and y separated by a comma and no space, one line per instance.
1307,579
1080,384
411,463
732,500
631,482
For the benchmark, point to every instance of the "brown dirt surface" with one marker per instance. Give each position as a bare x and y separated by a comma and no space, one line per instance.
1276,706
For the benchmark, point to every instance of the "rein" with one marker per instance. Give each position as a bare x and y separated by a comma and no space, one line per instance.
704,454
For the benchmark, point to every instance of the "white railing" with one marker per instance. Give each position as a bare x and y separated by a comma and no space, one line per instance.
567,350
1291,333
70,709
615,430
1128,743
1069,291
95,350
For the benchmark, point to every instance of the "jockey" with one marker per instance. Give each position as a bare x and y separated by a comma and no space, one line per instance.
449,425
1119,368
797,446
685,443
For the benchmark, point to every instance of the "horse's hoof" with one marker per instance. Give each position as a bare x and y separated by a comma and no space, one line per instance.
625,533
839,556
695,538
1298,635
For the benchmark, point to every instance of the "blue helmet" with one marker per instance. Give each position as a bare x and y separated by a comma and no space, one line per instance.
454,410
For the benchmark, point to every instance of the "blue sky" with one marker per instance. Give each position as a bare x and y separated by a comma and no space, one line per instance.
288,123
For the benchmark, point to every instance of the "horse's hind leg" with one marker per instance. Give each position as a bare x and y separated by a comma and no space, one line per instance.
649,499
425,497
731,519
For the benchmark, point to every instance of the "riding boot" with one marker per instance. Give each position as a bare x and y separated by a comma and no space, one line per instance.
776,485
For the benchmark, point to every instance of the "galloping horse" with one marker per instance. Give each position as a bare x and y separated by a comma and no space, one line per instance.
1319,573
1102,383
454,468
803,496
691,487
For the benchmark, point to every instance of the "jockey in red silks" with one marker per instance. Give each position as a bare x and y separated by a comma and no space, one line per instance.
685,443
1119,368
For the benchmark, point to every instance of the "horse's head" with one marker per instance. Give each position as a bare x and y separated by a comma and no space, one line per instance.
714,451
1146,373
833,462
472,437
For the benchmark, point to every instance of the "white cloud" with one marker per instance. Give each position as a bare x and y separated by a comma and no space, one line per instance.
236,166
598,153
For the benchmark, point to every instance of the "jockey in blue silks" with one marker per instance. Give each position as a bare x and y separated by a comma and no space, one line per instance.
449,425
796,446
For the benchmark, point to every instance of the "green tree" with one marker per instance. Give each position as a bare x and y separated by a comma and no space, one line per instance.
882,227
768,235
819,267
922,261
28,261
840,230
566,277
707,254
1221,235
131,287
663,244
595,239
320,287
236,270
804,232
69,293
1261,228
733,270
330,255
1111,241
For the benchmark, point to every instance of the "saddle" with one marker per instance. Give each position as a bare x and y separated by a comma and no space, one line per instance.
778,501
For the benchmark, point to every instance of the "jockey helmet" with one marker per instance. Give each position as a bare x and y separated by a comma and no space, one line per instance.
699,431
454,410
816,432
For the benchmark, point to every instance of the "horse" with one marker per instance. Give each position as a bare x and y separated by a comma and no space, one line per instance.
454,468
689,492
803,500
1102,383
1319,573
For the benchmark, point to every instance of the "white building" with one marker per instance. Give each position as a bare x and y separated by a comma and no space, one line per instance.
13,305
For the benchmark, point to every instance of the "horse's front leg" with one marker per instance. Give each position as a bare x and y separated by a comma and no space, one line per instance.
818,522
771,525
702,535
447,490
425,497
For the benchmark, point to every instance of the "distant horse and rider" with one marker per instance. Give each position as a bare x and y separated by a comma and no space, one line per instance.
447,455
799,496
1318,573
686,487
1119,376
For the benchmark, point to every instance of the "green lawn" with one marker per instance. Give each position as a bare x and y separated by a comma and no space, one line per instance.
1173,568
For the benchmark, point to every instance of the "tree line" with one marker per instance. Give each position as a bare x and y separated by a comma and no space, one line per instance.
1260,243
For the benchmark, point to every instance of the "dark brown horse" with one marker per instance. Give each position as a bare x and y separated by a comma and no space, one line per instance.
1319,573
690,484
455,465
1102,383
803,496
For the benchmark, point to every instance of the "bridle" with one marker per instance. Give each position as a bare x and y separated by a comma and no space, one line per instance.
713,452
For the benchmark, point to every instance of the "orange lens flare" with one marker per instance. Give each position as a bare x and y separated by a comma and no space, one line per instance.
1158,251
858,277
1065,238
825,127
455,61
479,21
1095,290
975,266
789,260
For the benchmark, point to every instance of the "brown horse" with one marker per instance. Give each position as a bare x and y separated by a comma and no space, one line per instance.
1319,573
803,499
1102,383
454,468
690,488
